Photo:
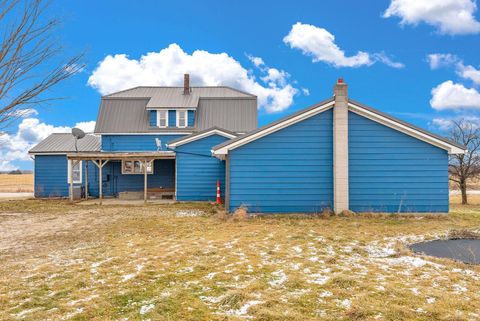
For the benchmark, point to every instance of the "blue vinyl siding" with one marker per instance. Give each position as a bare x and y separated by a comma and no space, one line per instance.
51,176
153,118
191,118
198,171
392,172
172,118
134,143
290,170
114,181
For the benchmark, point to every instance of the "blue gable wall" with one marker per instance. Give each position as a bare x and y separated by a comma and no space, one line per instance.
198,171
191,118
51,176
134,143
172,118
153,118
287,171
391,171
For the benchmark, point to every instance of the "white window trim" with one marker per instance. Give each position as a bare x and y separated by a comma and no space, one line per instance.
158,118
178,118
136,160
70,174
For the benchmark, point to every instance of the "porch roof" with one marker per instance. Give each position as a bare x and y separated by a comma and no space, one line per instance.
121,155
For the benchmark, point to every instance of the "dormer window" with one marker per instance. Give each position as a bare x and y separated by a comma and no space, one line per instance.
182,120
162,118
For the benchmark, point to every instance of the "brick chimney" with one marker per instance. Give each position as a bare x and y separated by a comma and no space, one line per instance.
340,147
186,84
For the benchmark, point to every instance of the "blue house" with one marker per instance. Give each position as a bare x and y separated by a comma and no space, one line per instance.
150,143
177,142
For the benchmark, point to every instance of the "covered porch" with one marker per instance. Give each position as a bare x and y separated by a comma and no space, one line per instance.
135,175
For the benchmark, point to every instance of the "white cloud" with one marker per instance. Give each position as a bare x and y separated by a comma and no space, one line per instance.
319,44
445,124
445,60
441,60
86,126
454,17
469,72
166,68
450,95
14,147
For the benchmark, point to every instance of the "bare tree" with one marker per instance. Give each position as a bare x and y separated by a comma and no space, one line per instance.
28,65
464,167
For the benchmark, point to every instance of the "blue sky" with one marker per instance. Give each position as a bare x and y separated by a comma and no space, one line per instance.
385,54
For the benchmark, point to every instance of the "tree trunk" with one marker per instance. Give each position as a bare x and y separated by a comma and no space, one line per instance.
463,189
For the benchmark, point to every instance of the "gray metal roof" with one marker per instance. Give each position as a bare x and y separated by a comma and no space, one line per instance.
236,115
65,143
173,97
122,113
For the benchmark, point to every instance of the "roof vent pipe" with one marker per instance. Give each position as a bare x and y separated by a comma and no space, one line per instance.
186,84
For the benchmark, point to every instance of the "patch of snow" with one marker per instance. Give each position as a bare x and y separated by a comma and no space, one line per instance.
210,275
346,304
144,309
318,279
431,300
326,294
379,252
411,261
297,249
459,288
187,269
279,278
189,213
243,310
128,277
415,291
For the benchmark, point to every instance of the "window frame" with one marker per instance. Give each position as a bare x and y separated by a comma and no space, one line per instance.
159,111
80,170
178,118
124,172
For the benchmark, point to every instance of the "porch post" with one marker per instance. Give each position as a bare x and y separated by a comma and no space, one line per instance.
70,179
86,179
100,181
145,181
100,165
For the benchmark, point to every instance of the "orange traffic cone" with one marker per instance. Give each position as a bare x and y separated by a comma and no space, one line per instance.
219,200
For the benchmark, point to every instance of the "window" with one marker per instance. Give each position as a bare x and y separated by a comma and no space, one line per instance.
162,118
182,118
76,172
136,167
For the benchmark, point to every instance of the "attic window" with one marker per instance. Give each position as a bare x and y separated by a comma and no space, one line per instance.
162,118
181,118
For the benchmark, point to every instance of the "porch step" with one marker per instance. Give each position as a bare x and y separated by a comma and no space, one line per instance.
154,194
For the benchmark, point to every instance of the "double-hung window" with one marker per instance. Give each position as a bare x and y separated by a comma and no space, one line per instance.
76,171
162,118
182,120
136,167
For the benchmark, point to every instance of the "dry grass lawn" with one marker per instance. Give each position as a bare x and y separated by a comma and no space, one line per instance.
180,262
16,183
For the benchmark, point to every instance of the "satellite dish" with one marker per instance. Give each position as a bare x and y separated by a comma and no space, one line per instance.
77,134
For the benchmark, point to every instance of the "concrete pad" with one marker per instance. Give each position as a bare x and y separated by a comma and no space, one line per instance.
15,196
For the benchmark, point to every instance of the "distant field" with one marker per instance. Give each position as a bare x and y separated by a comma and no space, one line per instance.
16,183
